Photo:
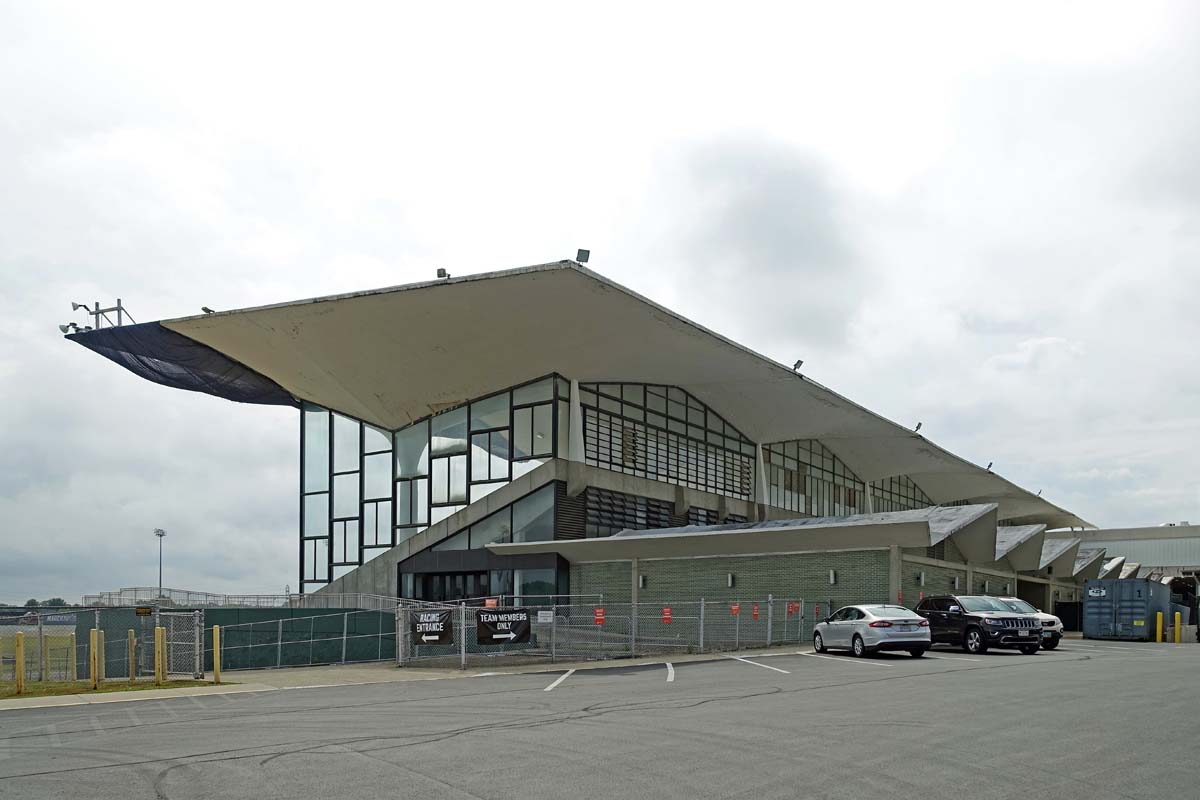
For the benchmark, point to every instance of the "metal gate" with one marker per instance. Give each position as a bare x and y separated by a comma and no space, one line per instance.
185,642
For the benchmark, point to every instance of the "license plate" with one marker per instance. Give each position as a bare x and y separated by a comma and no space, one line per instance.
904,628
1022,632
1046,634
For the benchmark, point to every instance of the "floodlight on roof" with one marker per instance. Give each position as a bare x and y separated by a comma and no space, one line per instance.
76,306
799,363
441,273
207,310
919,424
989,466
67,327
582,256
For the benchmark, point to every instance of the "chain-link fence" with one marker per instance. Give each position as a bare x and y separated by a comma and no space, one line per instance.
572,632
346,638
117,644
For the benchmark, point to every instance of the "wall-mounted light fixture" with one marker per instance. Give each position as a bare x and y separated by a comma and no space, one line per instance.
954,580
832,577
729,580
921,578
641,581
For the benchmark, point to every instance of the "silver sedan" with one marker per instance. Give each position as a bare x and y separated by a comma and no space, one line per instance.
870,629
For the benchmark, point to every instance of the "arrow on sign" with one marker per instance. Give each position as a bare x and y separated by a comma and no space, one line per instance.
427,637
508,635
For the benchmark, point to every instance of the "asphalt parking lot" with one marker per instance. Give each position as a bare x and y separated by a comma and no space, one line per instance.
1092,720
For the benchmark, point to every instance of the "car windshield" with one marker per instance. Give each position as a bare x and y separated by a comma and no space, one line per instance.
890,611
983,604
1020,606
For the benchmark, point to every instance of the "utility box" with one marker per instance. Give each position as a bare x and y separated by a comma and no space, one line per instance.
1127,608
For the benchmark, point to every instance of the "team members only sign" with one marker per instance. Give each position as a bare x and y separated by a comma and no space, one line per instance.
502,625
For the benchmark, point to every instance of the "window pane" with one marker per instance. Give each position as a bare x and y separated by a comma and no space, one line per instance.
564,428
316,449
456,542
450,432
479,457
498,454
404,500
458,479
412,451
441,482
543,430
377,477
533,393
421,498
533,516
502,581
345,443
345,495
316,560
490,413
496,528
534,582
316,515
375,439
522,445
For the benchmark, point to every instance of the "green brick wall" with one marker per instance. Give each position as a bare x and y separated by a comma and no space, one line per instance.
938,580
862,576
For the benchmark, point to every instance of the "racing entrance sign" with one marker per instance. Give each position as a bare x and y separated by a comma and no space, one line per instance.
502,625
433,627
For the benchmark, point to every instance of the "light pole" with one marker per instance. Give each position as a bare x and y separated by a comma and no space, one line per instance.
160,533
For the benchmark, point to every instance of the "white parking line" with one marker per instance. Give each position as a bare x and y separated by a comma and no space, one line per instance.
559,680
755,663
670,672
847,660
952,658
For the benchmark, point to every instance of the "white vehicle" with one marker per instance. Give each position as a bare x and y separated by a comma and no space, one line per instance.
869,629
1052,627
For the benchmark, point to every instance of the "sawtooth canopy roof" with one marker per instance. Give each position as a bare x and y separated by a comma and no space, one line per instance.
1088,562
1021,545
901,528
1111,566
391,356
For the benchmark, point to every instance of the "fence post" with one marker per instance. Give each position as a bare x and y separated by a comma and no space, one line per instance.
216,654
632,629
279,644
102,657
770,616
345,625
73,667
19,662
701,624
462,638
160,655
737,627
198,638
41,650
93,643
400,636
553,632
130,650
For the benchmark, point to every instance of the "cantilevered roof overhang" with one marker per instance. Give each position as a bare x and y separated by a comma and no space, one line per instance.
1058,557
394,355
862,531
1112,567
1021,545
1088,563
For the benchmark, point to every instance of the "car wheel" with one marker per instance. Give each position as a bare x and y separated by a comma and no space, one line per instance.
973,641
917,652
1029,649
858,647
1049,644
819,643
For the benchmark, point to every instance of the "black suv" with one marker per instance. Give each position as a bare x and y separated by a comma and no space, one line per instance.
976,623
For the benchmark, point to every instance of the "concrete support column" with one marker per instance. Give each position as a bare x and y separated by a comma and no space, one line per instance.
870,500
575,427
970,587
895,568
760,486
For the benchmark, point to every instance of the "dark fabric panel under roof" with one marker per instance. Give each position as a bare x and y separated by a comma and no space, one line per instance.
157,354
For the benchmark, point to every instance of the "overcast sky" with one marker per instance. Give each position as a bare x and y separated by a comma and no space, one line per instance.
986,222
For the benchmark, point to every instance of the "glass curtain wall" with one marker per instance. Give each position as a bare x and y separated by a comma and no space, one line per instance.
898,494
365,489
663,433
806,477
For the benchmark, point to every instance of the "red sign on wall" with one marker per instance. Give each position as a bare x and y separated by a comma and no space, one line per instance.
666,614
491,602
598,615
816,610
735,608
754,613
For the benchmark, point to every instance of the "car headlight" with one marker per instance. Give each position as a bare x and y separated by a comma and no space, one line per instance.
991,621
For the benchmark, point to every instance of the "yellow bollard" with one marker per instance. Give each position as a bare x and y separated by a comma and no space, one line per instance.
216,653
130,652
93,669
19,662
1158,627
73,667
1178,625
160,653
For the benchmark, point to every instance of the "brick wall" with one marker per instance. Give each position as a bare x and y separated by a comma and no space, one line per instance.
938,580
862,576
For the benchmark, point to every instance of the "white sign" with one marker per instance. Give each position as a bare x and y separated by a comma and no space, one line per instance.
546,616
1097,591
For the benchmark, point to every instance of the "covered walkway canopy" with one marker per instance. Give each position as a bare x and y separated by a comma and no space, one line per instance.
391,356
